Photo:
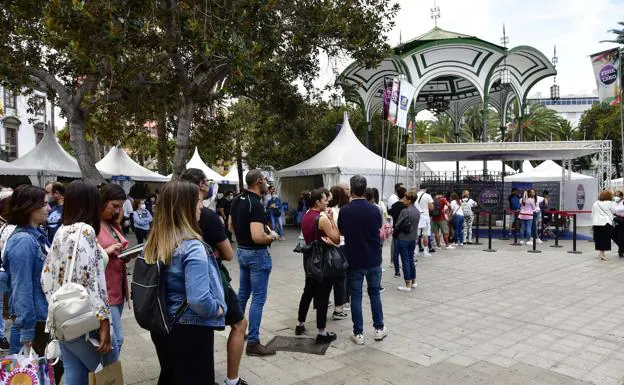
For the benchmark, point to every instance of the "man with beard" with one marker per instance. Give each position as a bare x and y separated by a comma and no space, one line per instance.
248,222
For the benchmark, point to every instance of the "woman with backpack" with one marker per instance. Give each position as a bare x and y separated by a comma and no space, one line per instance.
467,204
457,218
406,229
195,298
75,245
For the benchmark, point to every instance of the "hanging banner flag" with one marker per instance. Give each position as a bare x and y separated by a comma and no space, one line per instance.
394,101
607,71
405,101
387,95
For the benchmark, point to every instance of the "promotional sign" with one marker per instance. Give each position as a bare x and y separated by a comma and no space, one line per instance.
120,178
580,197
405,100
394,101
489,198
387,95
607,71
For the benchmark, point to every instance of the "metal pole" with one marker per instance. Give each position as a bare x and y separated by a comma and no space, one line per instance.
534,230
490,249
556,218
574,251
477,230
383,159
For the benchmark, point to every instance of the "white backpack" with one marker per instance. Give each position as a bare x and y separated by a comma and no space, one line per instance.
70,313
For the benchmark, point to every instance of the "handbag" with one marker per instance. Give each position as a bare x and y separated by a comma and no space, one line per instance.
322,260
70,312
26,367
108,375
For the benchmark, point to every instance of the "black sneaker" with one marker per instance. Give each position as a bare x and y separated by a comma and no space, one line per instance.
4,344
339,315
382,289
397,275
325,339
432,250
299,330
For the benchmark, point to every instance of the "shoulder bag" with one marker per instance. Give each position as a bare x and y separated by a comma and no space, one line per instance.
322,260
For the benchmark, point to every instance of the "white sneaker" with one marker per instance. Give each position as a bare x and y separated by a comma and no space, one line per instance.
521,242
346,306
380,334
404,288
461,245
450,247
358,338
427,254
539,240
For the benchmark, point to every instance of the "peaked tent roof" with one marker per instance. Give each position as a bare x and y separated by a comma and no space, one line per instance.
527,166
546,171
197,162
7,168
232,176
344,155
50,158
117,162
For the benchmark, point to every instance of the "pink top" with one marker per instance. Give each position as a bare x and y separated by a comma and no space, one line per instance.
116,279
527,209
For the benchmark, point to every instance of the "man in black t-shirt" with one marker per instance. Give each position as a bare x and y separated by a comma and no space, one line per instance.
248,222
395,210
214,235
224,206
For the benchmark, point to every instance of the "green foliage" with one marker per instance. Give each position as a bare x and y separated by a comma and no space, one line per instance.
602,122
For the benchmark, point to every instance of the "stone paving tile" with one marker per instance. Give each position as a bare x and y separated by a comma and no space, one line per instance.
509,317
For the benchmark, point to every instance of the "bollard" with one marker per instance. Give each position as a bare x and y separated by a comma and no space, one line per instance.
574,251
556,217
533,231
489,249
477,232
516,229
505,236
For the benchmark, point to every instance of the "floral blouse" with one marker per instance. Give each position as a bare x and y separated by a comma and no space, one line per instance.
88,268
6,231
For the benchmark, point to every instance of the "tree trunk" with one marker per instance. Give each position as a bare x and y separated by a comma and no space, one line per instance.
161,129
84,156
239,166
185,117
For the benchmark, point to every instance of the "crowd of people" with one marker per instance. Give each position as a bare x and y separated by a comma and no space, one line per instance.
76,234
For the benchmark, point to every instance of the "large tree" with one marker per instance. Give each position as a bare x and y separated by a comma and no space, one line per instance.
602,122
85,54
258,49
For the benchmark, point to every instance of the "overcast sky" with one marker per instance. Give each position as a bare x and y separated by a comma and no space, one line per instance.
575,26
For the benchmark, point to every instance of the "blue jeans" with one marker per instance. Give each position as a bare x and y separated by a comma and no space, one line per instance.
255,268
406,248
2,324
276,224
116,311
526,225
395,255
80,357
355,279
458,226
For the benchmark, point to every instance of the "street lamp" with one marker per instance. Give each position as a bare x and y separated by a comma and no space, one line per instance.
336,101
505,74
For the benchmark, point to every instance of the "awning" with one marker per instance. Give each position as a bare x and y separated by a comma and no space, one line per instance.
557,150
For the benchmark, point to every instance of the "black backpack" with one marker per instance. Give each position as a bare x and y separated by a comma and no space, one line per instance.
437,209
149,297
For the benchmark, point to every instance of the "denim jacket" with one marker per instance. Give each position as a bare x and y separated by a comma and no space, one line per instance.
194,276
23,261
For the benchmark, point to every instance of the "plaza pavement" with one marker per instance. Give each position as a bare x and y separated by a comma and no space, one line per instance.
509,317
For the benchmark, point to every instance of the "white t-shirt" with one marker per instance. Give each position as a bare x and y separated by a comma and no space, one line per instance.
456,209
423,199
539,200
392,199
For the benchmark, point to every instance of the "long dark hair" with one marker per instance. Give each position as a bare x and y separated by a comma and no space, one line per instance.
339,197
82,204
25,199
111,192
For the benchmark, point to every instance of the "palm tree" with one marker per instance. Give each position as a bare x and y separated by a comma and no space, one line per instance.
620,35
425,134
542,124
473,128
443,128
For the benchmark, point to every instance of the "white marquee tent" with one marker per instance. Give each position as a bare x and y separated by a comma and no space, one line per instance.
197,162
118,163
47,161
577,191
344,157
232,176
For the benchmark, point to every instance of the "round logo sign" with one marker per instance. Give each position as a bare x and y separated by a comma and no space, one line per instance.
608,74
489,198
580,197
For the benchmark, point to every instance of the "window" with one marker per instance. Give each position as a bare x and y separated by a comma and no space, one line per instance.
39,131
11,126
39,106
9,99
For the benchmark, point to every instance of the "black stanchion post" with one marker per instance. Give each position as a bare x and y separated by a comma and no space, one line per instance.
477,230
556,217
516,229
574,251
534,231
489,249
505,236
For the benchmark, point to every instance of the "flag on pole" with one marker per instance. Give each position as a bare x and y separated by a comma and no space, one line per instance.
405,101
394,101
387,95
608,77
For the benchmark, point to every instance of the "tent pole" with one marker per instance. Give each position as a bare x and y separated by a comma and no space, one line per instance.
383,160
397,160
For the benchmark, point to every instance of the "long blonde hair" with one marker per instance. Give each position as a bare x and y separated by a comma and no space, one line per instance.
174,221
